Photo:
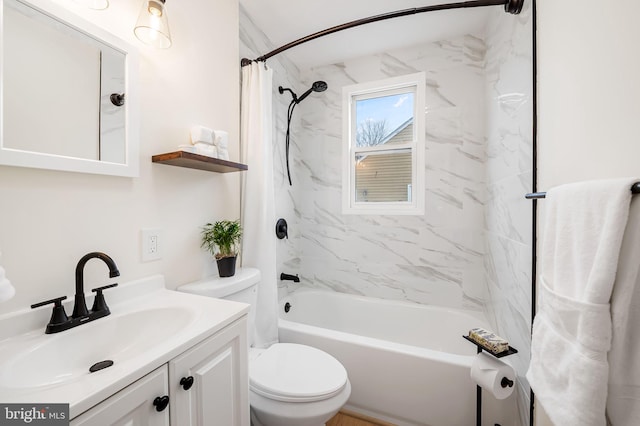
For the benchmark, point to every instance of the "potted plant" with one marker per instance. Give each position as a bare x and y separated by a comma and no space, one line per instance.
224,236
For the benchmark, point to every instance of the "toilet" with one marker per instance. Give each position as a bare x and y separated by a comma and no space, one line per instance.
289,384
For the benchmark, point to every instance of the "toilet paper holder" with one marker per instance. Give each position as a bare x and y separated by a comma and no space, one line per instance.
505,382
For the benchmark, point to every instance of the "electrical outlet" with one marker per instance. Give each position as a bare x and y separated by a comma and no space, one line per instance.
151,244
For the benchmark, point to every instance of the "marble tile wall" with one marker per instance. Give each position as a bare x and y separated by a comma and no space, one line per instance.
435,258
508,239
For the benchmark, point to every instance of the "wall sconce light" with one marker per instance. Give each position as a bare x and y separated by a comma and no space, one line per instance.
152,26
94,4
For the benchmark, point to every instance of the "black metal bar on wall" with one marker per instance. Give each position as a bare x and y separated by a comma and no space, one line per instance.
510,6
534,188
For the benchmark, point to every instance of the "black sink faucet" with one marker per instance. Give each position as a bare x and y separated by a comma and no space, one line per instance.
59,320
80,304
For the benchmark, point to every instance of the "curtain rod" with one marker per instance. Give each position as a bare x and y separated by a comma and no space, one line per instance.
510,6
635,189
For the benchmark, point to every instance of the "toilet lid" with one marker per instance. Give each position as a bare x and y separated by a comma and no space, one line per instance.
296,373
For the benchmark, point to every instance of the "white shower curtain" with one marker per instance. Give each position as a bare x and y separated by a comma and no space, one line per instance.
258,199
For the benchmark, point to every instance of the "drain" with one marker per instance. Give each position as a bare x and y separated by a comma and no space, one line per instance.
100,365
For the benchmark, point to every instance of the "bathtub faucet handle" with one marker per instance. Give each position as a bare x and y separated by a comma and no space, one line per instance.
282,229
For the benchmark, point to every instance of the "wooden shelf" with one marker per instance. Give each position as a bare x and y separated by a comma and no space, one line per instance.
197,161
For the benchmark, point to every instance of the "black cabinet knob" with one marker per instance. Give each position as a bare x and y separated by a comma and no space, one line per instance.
161,402
117,99
186,382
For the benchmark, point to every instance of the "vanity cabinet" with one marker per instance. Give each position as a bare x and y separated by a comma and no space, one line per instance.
132,406
206,385
209,383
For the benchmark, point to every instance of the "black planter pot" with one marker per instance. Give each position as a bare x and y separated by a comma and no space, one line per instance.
227,266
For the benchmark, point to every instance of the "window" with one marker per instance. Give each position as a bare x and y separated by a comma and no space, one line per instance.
383,151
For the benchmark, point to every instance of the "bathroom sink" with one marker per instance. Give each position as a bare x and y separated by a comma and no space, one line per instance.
149,326
49,359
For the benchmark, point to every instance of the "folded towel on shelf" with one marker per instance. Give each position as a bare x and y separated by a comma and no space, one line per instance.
572,331
221,139
206,149
201,134
223,153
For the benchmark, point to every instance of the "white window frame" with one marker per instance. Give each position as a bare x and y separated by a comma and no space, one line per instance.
374,89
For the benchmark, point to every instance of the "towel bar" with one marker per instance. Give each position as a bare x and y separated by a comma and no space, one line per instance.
635,189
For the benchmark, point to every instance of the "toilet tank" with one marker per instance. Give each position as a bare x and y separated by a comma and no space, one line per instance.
242,287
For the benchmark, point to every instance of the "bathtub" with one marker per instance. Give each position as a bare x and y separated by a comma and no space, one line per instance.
408,363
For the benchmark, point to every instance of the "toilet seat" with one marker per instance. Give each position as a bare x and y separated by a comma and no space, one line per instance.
291,372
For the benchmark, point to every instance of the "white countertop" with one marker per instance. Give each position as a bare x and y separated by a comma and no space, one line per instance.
134,353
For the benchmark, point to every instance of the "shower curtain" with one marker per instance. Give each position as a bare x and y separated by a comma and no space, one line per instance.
258,196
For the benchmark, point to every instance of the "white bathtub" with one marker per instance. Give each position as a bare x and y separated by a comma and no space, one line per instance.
408,364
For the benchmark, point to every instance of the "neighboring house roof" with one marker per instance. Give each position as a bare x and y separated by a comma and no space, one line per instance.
400,133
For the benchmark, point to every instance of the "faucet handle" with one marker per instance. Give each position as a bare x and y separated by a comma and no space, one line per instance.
99,304
58,316
97,289
57,301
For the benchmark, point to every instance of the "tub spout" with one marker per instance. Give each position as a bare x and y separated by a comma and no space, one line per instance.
295,278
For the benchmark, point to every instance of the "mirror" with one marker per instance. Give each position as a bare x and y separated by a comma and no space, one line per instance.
68,93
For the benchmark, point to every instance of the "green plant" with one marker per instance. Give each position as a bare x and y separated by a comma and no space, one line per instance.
225,235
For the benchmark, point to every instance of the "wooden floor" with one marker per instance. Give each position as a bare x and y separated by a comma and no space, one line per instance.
347,418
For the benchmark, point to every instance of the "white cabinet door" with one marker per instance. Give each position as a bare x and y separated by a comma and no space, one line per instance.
219,395
132,406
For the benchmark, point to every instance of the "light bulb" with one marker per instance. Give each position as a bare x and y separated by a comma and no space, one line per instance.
152,26
155,8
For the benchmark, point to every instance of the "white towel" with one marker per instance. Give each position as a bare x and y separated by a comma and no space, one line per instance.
623,400
201,134
223,154
206,149
584,227
221,139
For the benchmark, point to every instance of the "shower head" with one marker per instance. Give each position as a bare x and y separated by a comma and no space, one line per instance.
318,86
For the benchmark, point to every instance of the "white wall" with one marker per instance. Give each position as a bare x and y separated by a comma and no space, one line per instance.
49,219
588,91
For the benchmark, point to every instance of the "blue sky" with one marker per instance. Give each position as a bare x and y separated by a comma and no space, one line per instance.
396,109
